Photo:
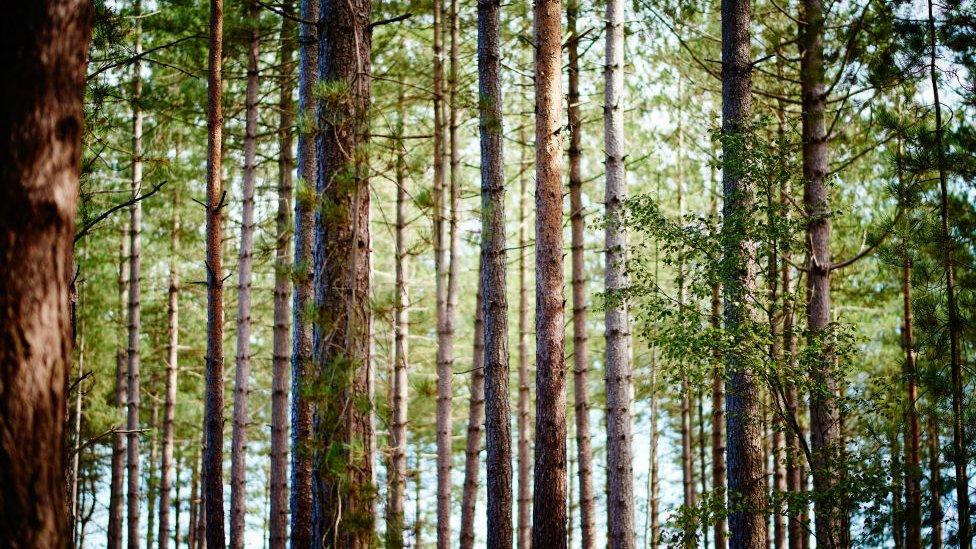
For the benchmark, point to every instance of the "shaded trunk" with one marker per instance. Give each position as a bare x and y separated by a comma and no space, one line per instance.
959,449
690,499
498,463
191,530
306,201
45,45
524,524
476,420
278,520
746,473
720,529
581,400
116,499
342,507
549,494
935,481
913,468
172,369
213,415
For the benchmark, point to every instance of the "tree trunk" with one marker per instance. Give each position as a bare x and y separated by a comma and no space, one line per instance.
476,419
824,415
935,481
959,449
401,327
720,529
242,371
620,507
549,495
655,484
191,535
342,509
897,511
46,47
913,470
498,463
172,369
746,473
524,524
133,495
152,480
116,500
581,398
213,485
306,203
690,500
278,522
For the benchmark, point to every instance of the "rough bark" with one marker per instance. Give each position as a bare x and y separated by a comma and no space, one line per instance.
45,46
498,463
581,400
300,501
278,521
245,266
620,507
342,505
172,369
746,473
135,267
476,420
116,504
935,481
523,426
549,494
960,459
213,485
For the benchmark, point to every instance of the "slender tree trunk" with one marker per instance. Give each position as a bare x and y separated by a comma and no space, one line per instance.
152,482
133,495
342,510
620,507
191,531
720,527
549,495
690,500
824,415
498,463
935,481
116,500
897,510
746,473
655,484
75,500
959,450
777,357
242,371
306,203
703,467
524,524
278,522
476,419
913,470
581,398
401,327
172,369
213,485
45,46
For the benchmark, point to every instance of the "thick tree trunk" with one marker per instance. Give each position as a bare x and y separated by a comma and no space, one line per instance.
581,399
342,509
133,494
746,473
620,507
476,420
245,261
278,521
549,495
824,414
401,329
46,50
213,460
960,458
935,481
116,499
172,369
523,426
498,463
306,203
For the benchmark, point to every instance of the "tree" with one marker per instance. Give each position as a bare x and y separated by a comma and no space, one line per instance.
522,424
172,371
40,145
116,487
476,420
549,496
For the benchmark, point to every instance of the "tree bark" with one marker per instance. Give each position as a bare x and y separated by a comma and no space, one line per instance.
620,507
213,485
245,261
959,449
720,529
306,202
172,370
116,499
135,266
935,481
498,463
46,49
523,425
476,419
746,473
549,495
278,522
581,398
342,508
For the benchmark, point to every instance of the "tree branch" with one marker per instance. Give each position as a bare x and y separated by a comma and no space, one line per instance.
91,224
